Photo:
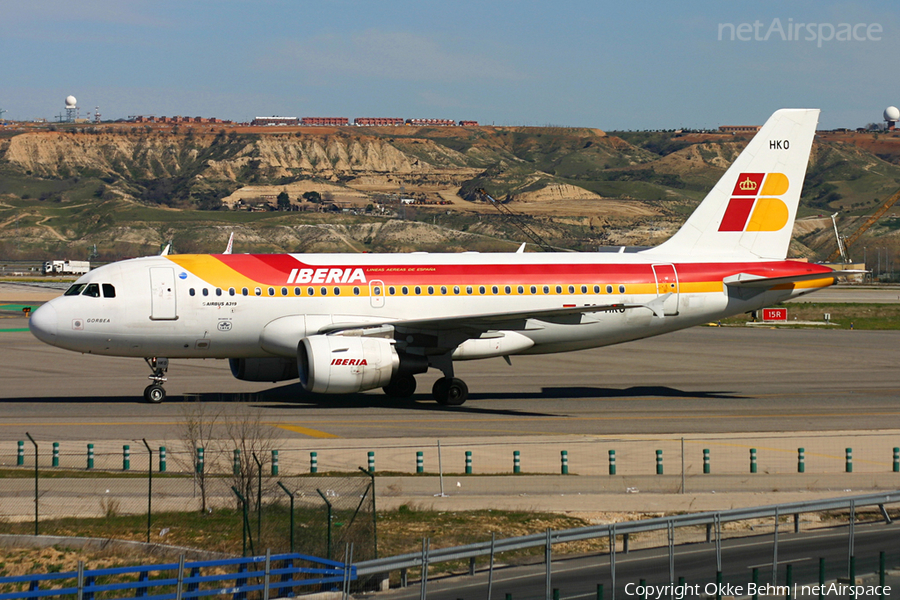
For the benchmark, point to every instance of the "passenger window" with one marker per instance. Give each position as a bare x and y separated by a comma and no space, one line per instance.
456,289
418,290
310,291
444,289
571,289
494,290
534,289
559,289
391,290
324,291
245,291
218,291
337,291
546,289
621,289
191,291
609,289
468,289
404,290
507,290
584,289
296,291
596,289
109,290
257,291
231,291
205,292
356,291
271,291
521,290
284,291
377,290
430,290
75,289
481,289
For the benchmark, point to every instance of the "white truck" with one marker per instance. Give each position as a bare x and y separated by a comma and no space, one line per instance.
66,267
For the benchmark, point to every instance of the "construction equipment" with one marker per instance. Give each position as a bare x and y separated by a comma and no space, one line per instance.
518,221
871,220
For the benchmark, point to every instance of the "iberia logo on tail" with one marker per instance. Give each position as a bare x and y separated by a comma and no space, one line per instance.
755,205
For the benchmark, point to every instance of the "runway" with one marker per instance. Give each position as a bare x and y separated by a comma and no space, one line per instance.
702,380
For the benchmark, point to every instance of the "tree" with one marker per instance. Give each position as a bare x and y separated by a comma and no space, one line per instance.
199,421
283,201
313,197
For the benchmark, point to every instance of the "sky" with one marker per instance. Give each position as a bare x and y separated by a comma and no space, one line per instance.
607,65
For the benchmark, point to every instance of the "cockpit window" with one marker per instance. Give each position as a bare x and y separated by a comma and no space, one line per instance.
109,290
92,290
75,289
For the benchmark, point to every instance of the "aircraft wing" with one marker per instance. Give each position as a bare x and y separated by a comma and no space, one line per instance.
483,322
749,280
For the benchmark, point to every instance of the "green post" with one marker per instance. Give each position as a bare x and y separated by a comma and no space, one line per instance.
719,585
55,454
199,466
753,460
236,461
659,463
789,576
313,462
517,462
555,593
508,596
643,583
420,461
564,462
706,461
20,455
126,457
801,460
848,461
612,462
599,591
90,458
896,460
755,579
274,462
371,461
162,459
468,462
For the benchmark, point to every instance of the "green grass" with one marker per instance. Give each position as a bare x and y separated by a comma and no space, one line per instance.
843,315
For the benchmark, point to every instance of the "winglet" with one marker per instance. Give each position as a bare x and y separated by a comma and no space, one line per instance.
230,242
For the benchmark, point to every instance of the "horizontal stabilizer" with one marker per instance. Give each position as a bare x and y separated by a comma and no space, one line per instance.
748,280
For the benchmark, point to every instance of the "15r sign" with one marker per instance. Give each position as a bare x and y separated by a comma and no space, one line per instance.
774,314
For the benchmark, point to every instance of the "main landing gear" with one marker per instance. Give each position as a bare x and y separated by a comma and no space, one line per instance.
447,391
155,393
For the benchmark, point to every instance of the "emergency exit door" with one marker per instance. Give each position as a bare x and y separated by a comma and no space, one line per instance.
667,283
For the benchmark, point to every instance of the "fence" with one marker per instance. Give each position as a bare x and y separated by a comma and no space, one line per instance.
266,576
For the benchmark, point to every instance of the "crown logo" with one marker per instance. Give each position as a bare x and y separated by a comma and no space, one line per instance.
747,185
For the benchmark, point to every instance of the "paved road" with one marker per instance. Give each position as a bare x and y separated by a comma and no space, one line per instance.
696,381
578,578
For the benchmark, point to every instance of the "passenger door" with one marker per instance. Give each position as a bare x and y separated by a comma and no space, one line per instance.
162,294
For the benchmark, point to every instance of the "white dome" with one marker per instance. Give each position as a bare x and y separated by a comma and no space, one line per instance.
892,113
70,102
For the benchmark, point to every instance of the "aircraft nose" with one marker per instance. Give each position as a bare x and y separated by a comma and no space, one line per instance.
44,323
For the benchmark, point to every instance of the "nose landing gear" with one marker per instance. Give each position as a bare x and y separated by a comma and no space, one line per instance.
155,393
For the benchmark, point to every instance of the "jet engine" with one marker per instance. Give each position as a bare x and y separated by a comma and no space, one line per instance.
263,369
337,364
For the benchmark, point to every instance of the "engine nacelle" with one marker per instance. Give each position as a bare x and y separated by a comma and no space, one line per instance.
338,364
263,369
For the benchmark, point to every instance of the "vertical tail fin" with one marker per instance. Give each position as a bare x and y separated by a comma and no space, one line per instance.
750,212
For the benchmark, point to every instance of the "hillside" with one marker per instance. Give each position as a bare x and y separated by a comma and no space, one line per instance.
129,188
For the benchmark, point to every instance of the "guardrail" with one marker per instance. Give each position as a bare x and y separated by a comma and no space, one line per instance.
253,574
471,551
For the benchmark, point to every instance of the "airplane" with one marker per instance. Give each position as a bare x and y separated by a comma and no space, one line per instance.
347,323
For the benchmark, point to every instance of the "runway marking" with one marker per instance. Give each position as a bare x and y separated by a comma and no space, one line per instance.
314,433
